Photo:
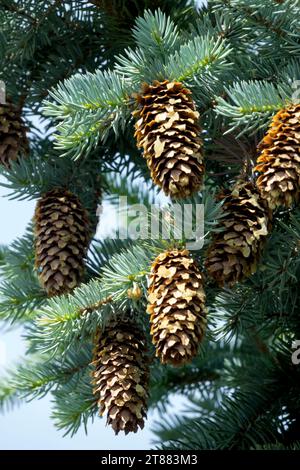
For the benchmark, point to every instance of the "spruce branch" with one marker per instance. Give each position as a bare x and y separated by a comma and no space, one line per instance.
68,319
35,377
135,189
239,416
156,34
102,90
12,7
269,15
89,106
101,251
124,268
254,102
18,257
74,405
240,60
19,298
8,397
199,55
205,368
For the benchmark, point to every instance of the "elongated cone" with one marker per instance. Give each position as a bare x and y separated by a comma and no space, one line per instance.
121,375
235,251
176,306
279,161
168,130
62,236
13,140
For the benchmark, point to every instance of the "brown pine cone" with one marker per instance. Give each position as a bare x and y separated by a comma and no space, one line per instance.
235,252
169,132
62,236
279,161
176,306
121,376
13,140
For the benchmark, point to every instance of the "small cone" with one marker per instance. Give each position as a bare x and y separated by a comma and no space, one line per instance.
121,376
168,130
279,161
13,140
235,252
135,293
176,304
62,236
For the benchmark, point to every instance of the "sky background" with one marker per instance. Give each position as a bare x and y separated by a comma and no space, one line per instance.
29,426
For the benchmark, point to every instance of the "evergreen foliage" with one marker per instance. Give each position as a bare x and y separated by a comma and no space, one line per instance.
77,67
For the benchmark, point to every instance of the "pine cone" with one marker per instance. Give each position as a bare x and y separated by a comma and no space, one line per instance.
168,131
135,293
176,304
235,252
13,140
121,376
279,161
62,234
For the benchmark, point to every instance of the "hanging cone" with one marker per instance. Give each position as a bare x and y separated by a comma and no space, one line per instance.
234,252
13,140
135,293
62,234
121,376
176,306
279,161
168,130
